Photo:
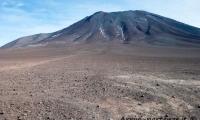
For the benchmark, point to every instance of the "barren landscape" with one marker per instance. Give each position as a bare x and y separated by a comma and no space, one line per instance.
108,82
126,65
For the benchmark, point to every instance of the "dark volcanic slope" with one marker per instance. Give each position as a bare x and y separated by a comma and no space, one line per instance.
120,27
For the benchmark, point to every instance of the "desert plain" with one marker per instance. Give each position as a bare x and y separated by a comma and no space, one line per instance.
105,82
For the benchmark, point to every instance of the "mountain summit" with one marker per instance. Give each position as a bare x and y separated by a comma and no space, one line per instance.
127,27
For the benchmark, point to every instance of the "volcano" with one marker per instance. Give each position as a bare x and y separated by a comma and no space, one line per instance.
127,27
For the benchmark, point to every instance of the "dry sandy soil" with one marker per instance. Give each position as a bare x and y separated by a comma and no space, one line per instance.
99,83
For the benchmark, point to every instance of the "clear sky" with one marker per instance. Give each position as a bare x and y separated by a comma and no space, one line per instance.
26,17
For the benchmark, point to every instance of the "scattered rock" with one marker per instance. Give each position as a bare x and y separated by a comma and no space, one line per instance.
123,118
1,112
199,106
157,84
44,91
40,102
20,117
142,96
97,106
27,111
173,96
47,118
24,114
166,115
12,104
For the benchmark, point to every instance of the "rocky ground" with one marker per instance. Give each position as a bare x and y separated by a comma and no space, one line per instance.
97,85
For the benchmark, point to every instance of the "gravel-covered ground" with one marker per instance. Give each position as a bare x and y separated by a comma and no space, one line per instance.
97,84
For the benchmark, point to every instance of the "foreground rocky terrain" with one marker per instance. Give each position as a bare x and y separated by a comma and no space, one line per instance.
99,83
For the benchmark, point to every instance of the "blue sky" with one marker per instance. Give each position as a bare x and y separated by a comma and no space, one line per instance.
26,17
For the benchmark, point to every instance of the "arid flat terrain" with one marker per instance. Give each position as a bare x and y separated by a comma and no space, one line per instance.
99,83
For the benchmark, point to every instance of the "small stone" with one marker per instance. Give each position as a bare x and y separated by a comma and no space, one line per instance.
142,96
123,118
97,106
20,117
173,96
139,104
24,114
47,118
1,112
166,115
40,103
27,111
199,106
44,91
12,104
157,84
